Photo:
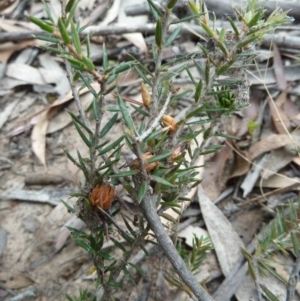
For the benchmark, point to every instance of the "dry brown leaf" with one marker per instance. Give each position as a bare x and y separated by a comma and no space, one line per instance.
17,26
38,135
213,178
278,181
280,120
291,110
7,49
226,241
240,165
249,113
267,144
6,112
25,73
276,160
279,68
33,118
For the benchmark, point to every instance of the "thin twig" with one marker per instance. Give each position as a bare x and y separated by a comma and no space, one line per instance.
155,122
149,210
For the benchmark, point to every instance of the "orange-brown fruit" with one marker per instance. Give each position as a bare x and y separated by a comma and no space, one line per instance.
102,196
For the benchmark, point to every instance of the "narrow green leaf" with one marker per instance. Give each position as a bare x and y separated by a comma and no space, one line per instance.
169,218
71,14
208,30
160,157
125,173
269,294
127,118
118,244
70,5
190,75
223,48
173,36
76,233
174,73
41,24
81,134
186,19
207,72
111,146
115,284
295,242
161,181
127,274
225,67
154,9
105,255
222,34
198,91
170,204
84,245
88,46
47,39
234,27
75,38
171,4
82,164
133,233
108,126
140,110
141,271
54,50
95,107
88,85
76,119
122,68
75,62
70,208
254,19
104,58
142,75
71,158
142,191
88,63
158,34
63,31
196,112
48,12
246,42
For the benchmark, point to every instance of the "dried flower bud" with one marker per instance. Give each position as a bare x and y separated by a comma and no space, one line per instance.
145,96
170,122
145,157
102,196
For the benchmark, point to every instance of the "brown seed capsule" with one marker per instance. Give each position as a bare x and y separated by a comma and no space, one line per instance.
102,196
170,122
145,96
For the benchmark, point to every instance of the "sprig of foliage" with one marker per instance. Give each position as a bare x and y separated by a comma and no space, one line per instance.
281,236
164,169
